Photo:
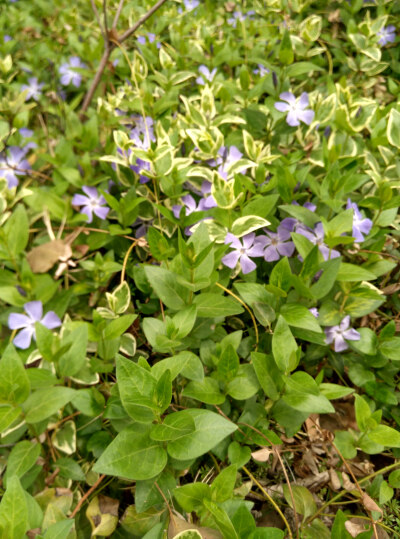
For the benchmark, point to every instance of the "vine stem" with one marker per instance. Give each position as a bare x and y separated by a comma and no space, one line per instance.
270,499
128,252
245,306
86,496
109,46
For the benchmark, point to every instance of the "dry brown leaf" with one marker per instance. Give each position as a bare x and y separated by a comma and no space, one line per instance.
178,525
355,526
229,6
42,258
312,427
391,289
262,455
334,479
370,504
347,483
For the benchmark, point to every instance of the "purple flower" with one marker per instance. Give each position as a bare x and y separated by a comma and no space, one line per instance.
25,132
261,70
296,109
316,237
190,5
242,252
226,158
208,201
190,206
150,38
276,244
34,313
33,89
143,132
361,225
239,16
314,312
207,74
14,164
7,38
68,73
92,203
339,334
386,35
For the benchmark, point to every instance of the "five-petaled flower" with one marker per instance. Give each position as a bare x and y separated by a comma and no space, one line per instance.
276,244
190,5
13,164
227,156
150,38
340,334
33,89
261,70
92,203
316,236
207,74
296,108
361,225
68,72
143,132
243,252
239,16
386,35
26,322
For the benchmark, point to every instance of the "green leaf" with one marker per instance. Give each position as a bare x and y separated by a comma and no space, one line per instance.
45,402
222,521
346,444
248,223
137,389
353,273
69,469
267,373
160,248
385,435
59,530
190,497
300,317
303,500
132,454
211,429
206,390
74,358
327,280
286,55
14,383
163,391
368,343
228,363
167,288
118,326
13,511
393,128
16,231
174,427
185,363
245,384
21,459
214,305
223,485
334,391
389,348
284,346
8,415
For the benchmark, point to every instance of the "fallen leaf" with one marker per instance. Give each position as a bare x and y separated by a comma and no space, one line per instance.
347,483
262,455
370,504
178,525
334,479
355,526
42,258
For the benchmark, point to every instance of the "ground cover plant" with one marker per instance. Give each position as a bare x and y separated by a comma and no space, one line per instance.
199,264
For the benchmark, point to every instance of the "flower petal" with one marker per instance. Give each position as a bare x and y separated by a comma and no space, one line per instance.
292,118
271,254
34,310
231,259
248,240
340,344
285,249
351,335
345,323
80,200
24,338
303,100
233,241
306,116
51,320
90,191
282,107
287,96
18,321
247,264
101,212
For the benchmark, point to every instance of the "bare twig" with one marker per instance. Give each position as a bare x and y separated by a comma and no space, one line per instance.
86,496
105,17
109,46
97,15
118,14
